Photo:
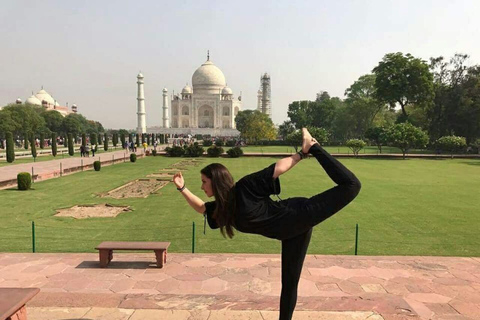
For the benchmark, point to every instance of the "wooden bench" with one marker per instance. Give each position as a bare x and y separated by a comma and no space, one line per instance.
13,300
106,250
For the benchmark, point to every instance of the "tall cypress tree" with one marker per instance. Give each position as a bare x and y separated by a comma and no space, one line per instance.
25,140
84,139
122,139
138,140
33,147
70,144
115,139
130,137
105,142
93,138
143,138
54,144
10,147
148,139
42,140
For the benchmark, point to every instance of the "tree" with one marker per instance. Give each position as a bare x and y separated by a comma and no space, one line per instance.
42,140
318,113
405,80
148,139
24,118
285,129
362,105
406,136
138,140
377,135
84,140
355,145
105,143
10,147
130,137
54,144
6,122
53,120
143,138
26,139
451,144
70,144
33,147
71,125
115,139
122,139
255,126
93,138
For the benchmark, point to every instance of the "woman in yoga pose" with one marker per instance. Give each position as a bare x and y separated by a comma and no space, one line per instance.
246,206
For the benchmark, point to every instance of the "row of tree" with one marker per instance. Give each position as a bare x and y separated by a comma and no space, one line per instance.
441,97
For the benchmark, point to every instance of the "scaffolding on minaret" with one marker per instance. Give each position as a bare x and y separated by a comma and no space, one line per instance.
264,104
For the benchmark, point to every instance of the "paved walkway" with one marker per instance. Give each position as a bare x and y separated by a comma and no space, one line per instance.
51,168
244,286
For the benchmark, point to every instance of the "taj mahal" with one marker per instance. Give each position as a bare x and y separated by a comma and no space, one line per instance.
207,107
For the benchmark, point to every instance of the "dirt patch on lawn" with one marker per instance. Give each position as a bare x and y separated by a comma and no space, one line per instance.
92,211
140,188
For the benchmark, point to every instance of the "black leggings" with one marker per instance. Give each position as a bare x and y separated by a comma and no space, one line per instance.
316,209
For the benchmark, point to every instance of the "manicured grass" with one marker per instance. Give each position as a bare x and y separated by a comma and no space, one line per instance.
405,207
331,149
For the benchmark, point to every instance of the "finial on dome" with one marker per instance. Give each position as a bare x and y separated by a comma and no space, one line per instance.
208,55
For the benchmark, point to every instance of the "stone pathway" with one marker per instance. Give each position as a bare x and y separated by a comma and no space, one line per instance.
244,286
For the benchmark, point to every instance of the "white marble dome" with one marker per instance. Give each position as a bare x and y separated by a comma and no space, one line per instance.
187,89
227,91
34,100
43,95
208,78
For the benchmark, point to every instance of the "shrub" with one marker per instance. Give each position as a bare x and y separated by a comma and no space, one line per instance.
231,143
207,143
25,140
451,144
33,147
97,165
137,140
133,157
105,143
122,139
42,139
24,181
214,151
154,152
115,139
235,152
194,150
84,140
93,138
176,151
219,143
355,145
10,148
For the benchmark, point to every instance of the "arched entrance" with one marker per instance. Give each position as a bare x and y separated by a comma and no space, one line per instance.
205,117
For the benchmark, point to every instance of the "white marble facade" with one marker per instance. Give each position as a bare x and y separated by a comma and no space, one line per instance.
209,104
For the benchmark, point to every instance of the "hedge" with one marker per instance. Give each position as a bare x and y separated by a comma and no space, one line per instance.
133,157
214,151
97,165
24,181
235,152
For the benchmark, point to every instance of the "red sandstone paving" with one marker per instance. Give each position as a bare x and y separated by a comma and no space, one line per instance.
437,288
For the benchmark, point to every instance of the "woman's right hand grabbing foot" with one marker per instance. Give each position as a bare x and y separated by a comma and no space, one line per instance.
307,140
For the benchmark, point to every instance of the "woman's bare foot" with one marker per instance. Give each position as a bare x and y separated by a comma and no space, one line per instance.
308,140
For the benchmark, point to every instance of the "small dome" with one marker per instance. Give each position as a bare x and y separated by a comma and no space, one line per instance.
227,91
34,100
43,95
18,100
186,89
164,90
140,75
208,78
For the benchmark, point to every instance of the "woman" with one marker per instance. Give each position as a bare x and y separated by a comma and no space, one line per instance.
247,207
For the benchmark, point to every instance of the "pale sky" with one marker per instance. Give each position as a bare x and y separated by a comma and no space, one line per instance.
89,52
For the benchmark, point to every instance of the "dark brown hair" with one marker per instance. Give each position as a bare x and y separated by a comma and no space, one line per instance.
224,192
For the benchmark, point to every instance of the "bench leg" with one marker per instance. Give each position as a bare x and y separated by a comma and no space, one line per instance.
110,255
161,256
21,314
104,257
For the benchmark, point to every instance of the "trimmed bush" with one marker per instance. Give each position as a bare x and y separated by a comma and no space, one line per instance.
115,139
235,152
10,147
84,140
93,138
214,151
105,142
42,139
219,143
194,150
97,165
355,145
176,151
154,152
133,157
451,144
54,144
122,139
138,140
24,181
25,140
207,143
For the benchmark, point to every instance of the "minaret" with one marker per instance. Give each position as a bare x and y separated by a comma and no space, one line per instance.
166,123
141,124
266,103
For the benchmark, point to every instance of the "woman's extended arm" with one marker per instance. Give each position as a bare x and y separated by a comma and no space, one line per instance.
285,164
195,202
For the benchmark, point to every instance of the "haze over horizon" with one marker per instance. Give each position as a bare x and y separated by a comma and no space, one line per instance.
90,53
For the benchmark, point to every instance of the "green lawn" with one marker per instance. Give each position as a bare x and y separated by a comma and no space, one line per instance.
331,149
406,207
